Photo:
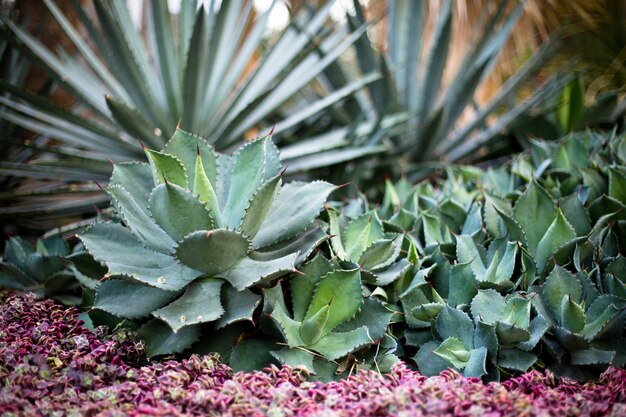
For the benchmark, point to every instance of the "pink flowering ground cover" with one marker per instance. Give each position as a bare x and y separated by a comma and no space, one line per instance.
50,365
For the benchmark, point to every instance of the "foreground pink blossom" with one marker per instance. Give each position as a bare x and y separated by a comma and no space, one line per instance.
49,365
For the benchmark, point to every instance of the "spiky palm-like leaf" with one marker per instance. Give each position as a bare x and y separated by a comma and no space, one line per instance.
196,69
439,100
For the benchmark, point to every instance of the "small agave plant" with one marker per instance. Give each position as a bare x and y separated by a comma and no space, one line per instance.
494,335
44,270
586,325
198,230
332,326
332,318
361,239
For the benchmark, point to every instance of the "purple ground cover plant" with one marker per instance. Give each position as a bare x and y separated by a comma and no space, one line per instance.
51,365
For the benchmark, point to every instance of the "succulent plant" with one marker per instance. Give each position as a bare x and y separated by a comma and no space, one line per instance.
493,245
199,229
585,325
360,238
330,322
331,318
43,270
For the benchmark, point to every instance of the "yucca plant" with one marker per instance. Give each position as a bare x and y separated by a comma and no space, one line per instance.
198,230
435,119
197,70
18,70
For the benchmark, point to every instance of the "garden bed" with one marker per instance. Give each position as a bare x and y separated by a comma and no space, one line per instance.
51,365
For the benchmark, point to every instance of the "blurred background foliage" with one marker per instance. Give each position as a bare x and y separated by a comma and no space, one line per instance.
356,90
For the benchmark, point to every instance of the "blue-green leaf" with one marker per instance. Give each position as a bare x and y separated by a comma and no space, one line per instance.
342,292
199,304
452,322
178,212
212,251
161,340
559,233
453,351
118,249
131,300
167,168
534,212
138,220
294,209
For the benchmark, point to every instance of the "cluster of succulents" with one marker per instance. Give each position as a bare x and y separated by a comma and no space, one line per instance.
50,365
490,272
520,266
49,269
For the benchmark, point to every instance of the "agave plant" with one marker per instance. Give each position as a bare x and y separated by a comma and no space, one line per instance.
197,225
495,333
585,325
197,70
44,271
331,321
339,307
364,241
